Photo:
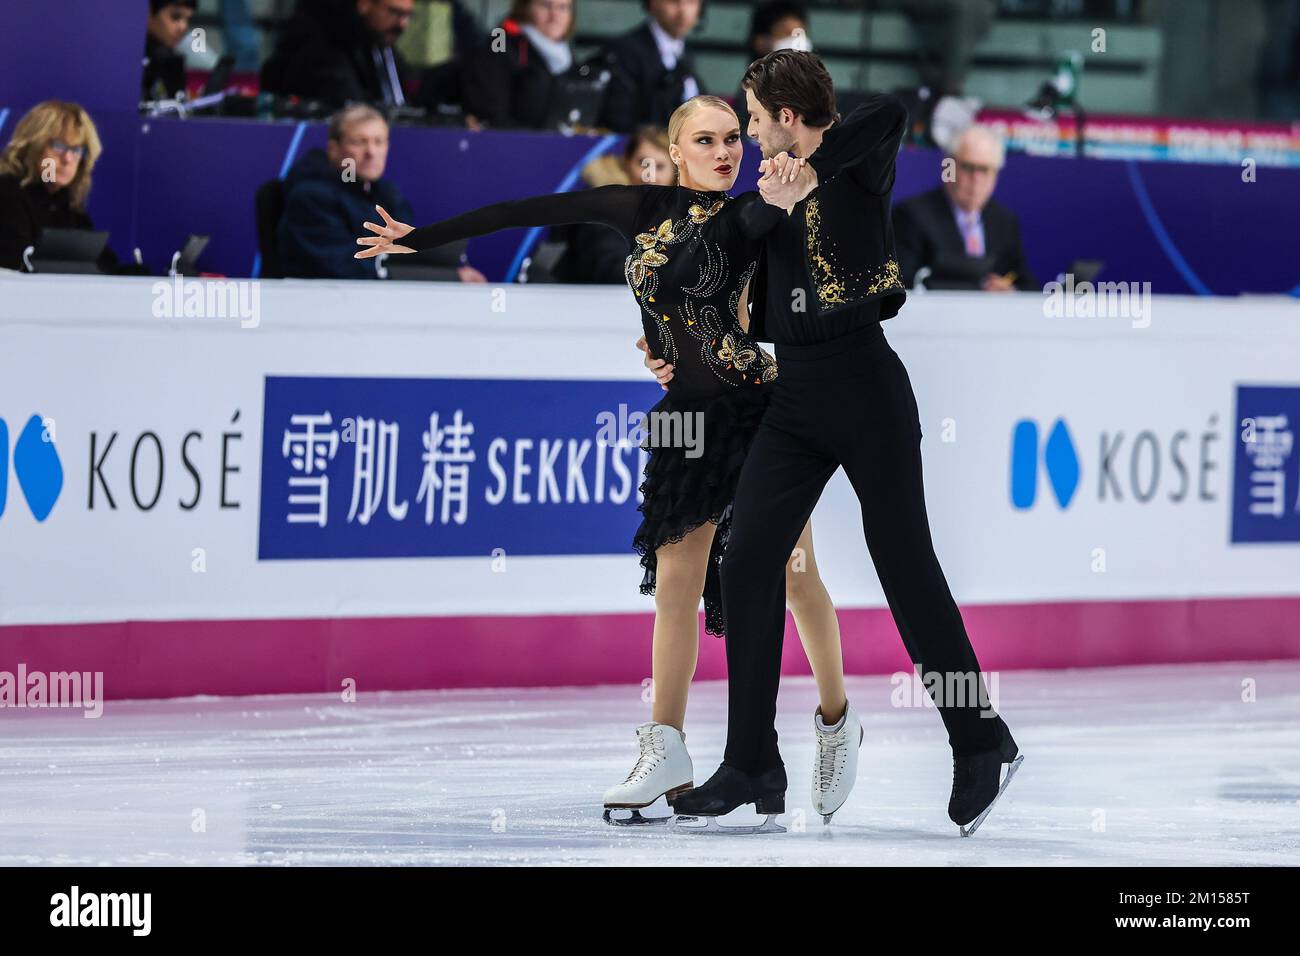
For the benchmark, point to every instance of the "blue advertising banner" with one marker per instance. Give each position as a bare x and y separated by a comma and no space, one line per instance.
1266,474
402,467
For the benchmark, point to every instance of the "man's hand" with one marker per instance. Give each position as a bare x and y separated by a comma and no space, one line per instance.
786,180
384,240
663,371
996,283
470,274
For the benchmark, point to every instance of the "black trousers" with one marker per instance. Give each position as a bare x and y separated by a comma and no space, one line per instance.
847,402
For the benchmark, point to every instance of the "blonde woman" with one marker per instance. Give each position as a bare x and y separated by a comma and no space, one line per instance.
692,249
45,175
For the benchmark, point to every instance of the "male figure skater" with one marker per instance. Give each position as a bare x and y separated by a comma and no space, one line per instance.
843,398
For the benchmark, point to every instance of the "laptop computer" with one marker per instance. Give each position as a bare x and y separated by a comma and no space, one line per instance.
219,78
185,260
440,264
70,251
577,97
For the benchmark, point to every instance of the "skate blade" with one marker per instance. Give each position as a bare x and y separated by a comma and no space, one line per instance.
970,828
635,820
689,824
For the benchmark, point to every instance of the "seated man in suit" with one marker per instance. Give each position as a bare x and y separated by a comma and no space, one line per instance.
967,239
652,74
329,193
342,51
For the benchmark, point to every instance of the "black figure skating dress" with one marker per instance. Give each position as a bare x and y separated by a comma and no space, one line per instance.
690,255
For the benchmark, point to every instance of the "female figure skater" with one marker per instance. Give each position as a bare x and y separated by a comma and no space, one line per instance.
693,249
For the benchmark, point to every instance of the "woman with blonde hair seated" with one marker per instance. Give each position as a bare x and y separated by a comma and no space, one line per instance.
45,176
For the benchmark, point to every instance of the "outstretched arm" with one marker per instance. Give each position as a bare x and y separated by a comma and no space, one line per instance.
614,206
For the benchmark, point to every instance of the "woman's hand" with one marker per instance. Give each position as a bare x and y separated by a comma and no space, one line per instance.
786,180
663,371
783,166
385,237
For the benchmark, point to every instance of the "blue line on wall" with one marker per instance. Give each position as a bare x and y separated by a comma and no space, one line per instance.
571,177
1159,231
289,156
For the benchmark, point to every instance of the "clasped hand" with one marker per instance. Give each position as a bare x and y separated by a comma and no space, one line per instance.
786,180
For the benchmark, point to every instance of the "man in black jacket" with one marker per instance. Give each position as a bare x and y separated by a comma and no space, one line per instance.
958,231
342,51
328,195
651,72
843,398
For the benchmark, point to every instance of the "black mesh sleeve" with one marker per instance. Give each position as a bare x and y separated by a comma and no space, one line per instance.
757,218
614,206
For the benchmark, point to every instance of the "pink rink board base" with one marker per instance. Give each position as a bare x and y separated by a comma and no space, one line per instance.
154,659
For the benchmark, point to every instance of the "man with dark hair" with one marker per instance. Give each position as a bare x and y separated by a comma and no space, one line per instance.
342,51
651,74
164,68
843,398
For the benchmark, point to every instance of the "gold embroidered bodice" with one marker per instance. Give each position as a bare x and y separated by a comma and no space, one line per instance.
687,271
691,254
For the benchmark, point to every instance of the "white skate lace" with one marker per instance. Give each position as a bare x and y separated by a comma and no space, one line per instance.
828,749
652,750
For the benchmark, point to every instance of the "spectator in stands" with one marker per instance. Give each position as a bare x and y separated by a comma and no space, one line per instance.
45,175
510,79
778,25
960,233
164,68
341,51
239,35
947,32
442,36
652,74
330,192
775,25
595,253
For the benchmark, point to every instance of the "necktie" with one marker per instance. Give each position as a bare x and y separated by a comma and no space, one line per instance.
974,247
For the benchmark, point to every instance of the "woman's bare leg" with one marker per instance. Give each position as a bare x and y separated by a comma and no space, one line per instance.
679,583
819,629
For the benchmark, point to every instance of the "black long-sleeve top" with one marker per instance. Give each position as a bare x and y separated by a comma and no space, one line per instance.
27,211
690,255
829,267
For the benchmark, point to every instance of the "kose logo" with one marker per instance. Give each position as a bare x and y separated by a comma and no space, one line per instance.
36,466
1060,460
1131,466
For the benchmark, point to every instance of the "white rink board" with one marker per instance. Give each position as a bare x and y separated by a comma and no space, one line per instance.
87,353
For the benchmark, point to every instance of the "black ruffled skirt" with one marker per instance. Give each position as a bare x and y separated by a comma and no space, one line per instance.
681,493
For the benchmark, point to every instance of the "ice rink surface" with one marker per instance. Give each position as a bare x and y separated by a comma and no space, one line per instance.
1131,767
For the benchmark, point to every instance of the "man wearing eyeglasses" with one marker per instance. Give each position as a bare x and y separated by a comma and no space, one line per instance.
343,53
957,235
